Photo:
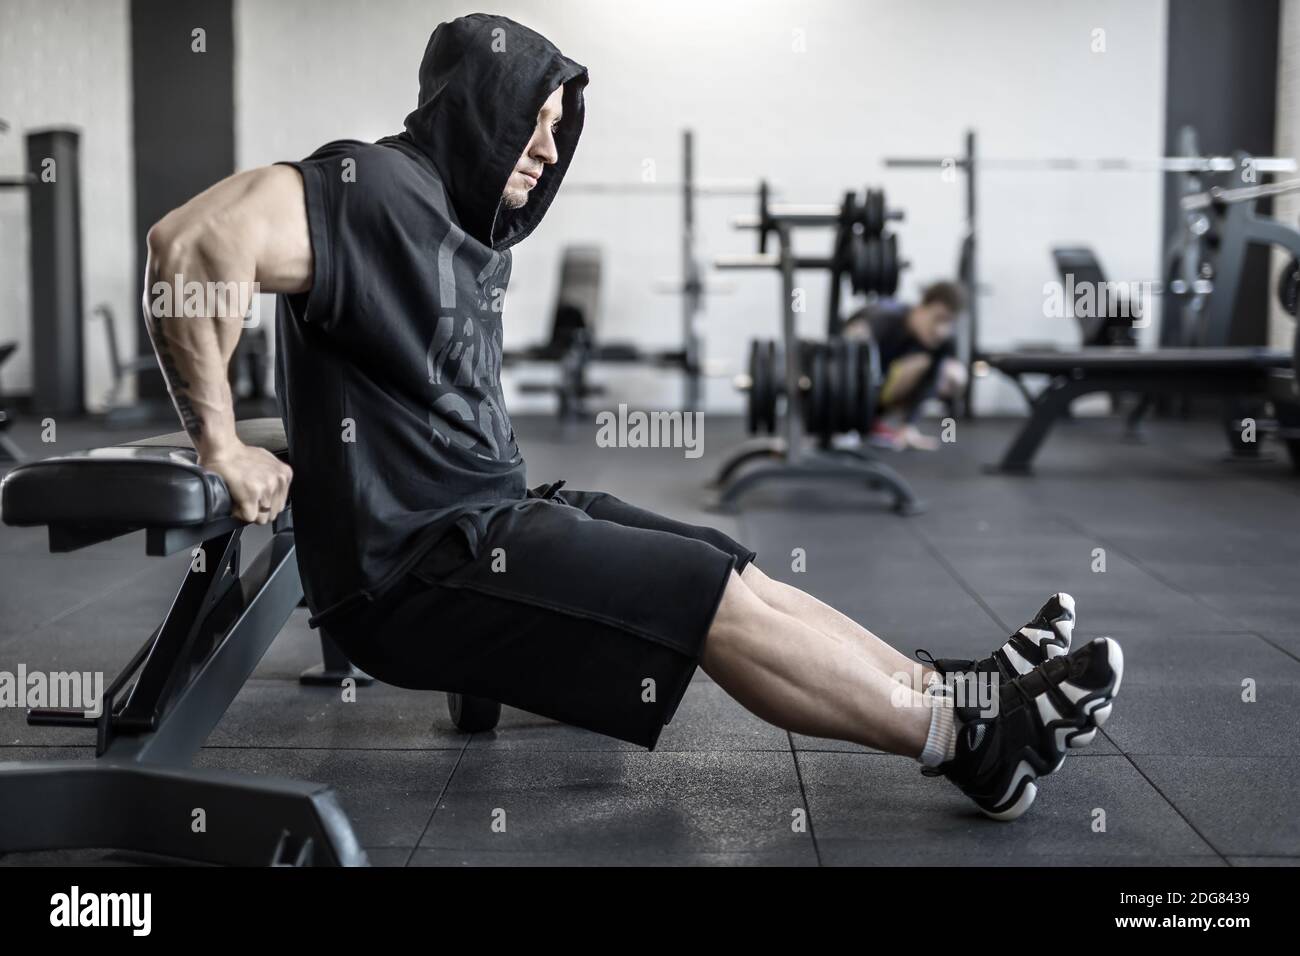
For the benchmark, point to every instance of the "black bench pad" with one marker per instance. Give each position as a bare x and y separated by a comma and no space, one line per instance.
151,483
1132,361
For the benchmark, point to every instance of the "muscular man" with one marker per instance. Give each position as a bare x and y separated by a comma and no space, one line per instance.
916,356
421,547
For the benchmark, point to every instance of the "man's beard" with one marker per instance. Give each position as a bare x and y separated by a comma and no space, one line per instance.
514,198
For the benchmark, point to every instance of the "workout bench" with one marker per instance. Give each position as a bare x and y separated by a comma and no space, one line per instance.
140,791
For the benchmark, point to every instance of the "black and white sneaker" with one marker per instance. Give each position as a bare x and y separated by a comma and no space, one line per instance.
1040,716
1046,636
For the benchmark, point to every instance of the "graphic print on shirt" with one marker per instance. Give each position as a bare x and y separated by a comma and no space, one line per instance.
464,361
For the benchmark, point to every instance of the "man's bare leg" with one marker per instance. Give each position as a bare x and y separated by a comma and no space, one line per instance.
794,676
823,617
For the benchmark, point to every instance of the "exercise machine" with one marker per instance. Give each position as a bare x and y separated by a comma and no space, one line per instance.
9,450
827,387
574,344
1214,368
970,164
140,791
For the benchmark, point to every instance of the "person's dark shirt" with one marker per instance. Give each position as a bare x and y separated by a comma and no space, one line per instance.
388,369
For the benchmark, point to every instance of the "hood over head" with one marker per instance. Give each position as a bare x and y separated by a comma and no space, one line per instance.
483,80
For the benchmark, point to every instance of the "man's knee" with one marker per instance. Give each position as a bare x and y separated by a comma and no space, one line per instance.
738,610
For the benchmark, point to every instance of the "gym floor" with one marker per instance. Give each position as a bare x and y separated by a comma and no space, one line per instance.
1199,586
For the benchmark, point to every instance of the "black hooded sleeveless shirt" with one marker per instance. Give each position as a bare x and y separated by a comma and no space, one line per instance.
388,370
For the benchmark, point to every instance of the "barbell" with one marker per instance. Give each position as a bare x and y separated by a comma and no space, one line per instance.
864,251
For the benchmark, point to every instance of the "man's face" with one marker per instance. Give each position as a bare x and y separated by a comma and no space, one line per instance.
538,154
932,324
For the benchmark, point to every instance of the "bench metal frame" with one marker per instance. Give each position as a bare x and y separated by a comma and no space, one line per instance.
1053,402
140,792
1237,227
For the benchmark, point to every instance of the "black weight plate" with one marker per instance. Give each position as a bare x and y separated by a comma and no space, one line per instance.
775,376
869,379
752,398
889,264
836,386
1288,287
873,259
805,400
857,263
850,211
822,389
814,400
852,387
873,213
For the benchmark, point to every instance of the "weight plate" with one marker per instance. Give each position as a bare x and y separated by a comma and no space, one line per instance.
852,387
836,386
850,212
872,277
755,387
873,213
870,381
1288,287
814,400
889,264
775,376
857,263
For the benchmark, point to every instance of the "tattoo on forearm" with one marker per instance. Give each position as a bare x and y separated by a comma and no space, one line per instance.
177,384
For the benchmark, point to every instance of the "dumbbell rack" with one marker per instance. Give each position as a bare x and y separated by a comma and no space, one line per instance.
791,456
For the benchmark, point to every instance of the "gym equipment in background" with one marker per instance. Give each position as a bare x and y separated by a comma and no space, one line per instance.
9,450
574,344
1238,373
117,412
54,261
248,372
970,164
828,387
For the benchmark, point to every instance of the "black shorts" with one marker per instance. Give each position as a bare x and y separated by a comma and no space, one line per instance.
573,605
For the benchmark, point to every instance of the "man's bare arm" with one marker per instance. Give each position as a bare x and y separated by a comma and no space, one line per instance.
249,228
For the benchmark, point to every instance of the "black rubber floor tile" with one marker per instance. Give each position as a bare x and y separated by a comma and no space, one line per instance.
36,591
621,807
1244,806
1264,860
1208,719
389,856
708,719
1117,612
1203,661
1286,641
795,855
880,810
382,717
388,795
521,731
1101,745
